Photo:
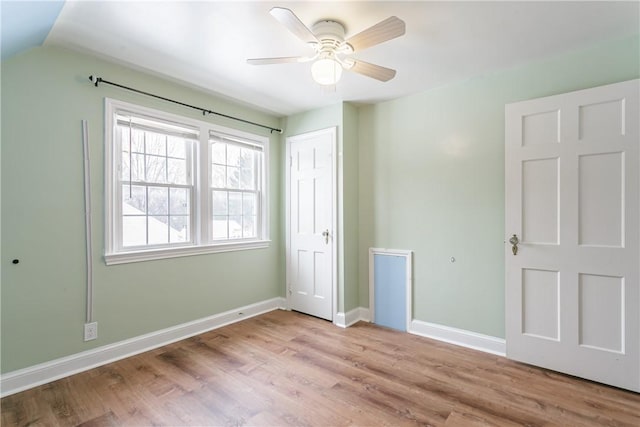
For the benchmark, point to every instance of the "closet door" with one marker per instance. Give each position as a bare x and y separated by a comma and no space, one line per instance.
311,213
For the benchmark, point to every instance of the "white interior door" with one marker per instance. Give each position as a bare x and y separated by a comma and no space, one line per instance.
311,235
572,190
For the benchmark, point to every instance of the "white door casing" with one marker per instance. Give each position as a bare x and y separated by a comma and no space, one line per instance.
572,198
311,223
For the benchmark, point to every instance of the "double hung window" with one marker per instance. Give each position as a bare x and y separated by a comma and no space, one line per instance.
177,186
157,183
235,187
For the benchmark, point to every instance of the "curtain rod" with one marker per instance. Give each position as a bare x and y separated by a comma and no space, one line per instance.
205,111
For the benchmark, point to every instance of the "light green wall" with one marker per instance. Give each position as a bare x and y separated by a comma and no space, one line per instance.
432,180
350,188
45,95
310,121
344,116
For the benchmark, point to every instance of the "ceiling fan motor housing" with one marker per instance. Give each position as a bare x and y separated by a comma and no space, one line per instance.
327,29
331,36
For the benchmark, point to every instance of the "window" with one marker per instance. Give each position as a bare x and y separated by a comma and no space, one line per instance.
177,186
157,181
235,187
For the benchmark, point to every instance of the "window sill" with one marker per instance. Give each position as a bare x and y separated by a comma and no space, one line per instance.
155,254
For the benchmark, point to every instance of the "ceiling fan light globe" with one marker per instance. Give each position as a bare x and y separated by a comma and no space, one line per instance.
326,72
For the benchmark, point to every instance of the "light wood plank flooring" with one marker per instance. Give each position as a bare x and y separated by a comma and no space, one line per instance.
284,369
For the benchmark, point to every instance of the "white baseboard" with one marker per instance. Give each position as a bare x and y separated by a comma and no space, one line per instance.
460,337
365,314
23,379
344,320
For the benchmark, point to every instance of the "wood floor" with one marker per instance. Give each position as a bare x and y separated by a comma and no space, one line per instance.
283,368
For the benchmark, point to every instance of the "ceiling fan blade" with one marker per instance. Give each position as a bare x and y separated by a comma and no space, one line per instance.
372,70
388,29
289,19
281,60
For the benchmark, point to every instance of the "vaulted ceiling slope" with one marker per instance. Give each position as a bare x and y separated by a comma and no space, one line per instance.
26,24
206,44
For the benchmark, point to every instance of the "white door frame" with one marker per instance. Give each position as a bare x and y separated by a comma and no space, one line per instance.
408,266
333,132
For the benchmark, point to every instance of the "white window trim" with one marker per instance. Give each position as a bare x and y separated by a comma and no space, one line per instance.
202,242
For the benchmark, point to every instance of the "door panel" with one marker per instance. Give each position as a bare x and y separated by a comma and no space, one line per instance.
572,198
311,239
540,303
540,189
601,312
601,199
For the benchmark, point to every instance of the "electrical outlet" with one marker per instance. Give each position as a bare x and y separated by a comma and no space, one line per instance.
90,331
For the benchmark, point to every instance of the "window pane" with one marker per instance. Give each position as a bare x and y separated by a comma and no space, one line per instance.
137,160
220,205
218,176
156,144
134,200
233,177
125,166
249,226
218,153
158,230
177,171
134,230
122,134
235,227
179,201
219,227
247,179
246,158
158,201
156,169
249,203
137,141
179,232
235,203
233,155
177,147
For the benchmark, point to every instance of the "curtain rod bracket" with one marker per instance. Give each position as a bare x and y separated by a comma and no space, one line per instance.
205,111
95,80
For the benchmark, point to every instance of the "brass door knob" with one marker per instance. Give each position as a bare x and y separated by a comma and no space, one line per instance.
514,244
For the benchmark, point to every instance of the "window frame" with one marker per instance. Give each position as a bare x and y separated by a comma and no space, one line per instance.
201,203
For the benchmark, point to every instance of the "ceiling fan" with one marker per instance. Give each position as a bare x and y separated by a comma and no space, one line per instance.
331,50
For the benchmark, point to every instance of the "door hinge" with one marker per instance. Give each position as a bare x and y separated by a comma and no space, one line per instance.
290,161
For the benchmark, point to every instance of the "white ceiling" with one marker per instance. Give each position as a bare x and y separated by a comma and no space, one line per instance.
206,44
